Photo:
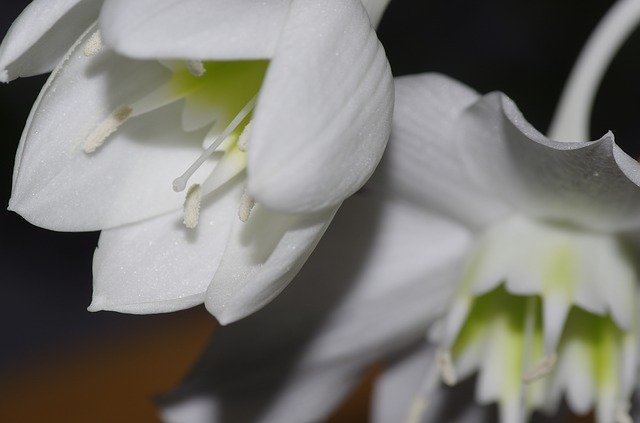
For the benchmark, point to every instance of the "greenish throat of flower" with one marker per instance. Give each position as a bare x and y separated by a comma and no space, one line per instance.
220,96
544,312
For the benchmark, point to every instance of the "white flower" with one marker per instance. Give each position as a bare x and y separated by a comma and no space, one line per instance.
511,250
298,93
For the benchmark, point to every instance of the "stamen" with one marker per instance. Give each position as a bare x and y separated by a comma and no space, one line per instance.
541,369
243,139
196,68
246,205
418,407
622,413
445,365
93,45
106,128
180,183
192,206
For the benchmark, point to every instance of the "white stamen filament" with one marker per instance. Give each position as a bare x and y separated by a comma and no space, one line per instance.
93,45
106,128
445,365
243,140
196,68
246,205
192,206
541,369
180,183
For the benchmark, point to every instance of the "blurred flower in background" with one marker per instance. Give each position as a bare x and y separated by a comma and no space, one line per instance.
497,45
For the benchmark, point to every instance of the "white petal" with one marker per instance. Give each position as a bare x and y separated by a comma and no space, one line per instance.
375,9
324,113
261,258
390,271
594,184
422,161
59,186
159,265
399,383
305,396
42,34
193,29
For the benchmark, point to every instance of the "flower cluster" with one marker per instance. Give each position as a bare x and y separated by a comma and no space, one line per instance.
481,251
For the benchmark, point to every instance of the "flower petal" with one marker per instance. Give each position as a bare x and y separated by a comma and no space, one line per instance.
398,385
59,186
422,162
324,112
262,257
593,184
199,29
159,265
375,9
42,34
323,321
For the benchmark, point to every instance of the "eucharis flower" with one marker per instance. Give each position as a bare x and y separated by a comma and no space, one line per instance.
290,100
514,252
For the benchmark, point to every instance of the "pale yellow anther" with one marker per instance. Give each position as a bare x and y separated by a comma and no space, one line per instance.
93,45
246,205
192,206
106,128
243,139
445,366
196,68
540,370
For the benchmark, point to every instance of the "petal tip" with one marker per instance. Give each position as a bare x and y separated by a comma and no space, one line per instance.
97,304
4,76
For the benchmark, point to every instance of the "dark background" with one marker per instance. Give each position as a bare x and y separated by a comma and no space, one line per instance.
524,48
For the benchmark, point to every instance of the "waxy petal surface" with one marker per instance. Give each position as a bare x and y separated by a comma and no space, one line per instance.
422,163
590,184
59,186
324,320
42,34
198,29
159,265
262,257
324,112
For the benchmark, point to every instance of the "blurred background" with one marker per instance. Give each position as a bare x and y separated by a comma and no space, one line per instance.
56,355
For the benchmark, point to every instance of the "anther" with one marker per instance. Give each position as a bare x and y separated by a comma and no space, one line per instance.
246,205
445,365
106,128
541,369
196,67
243,139
416,412
93,45
180,183
192,206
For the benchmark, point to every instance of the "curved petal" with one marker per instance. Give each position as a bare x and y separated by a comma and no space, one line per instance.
59,186
261,258
592,184
42,34
307,396
422,163
159,265
397,386
375,9
391,271
324,113
193,29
